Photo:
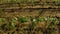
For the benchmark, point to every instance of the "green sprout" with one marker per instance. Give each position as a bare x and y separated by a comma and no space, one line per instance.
34,20
12,21
41,19
33,23
24,19
2,20
53,21
11,25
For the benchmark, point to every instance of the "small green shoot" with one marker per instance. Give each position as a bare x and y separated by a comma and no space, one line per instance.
33,23
2,21
53,21
12,21
24,19
41,19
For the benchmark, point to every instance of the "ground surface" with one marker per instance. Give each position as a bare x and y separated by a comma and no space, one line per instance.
11,12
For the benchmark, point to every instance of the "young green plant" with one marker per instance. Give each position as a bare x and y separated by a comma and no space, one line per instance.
2,21
23,19
12,22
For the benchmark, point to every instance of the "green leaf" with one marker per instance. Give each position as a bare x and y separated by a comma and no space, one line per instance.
41,19
12,21
2,19
34,22
53,21
11,25
24,19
